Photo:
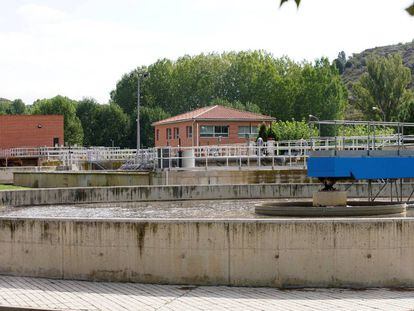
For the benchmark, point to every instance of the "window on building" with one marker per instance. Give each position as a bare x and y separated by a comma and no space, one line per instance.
169,136
176,133
214,131
158,135
189,131
248,131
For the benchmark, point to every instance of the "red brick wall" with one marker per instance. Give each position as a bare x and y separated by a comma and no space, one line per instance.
30,130
185,142
163,141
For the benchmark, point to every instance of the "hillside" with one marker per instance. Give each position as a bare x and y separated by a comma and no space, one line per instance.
356,65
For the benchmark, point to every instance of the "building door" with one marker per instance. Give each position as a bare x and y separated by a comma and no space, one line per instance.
55,141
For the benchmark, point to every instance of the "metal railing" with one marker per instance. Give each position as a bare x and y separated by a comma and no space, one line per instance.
76,153
290,153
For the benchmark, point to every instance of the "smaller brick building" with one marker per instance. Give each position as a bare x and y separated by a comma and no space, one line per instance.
212,125
18,131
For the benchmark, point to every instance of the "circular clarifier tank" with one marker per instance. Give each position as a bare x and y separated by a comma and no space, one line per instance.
298,208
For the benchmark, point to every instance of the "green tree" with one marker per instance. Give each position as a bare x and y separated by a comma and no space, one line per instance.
384,86
319,91
4,106
362,130
195,82
158,87
125,93
66,107
340,62
407,112
17,107
275,86
263,132
87,110
113,126
237,105
103,125
293,130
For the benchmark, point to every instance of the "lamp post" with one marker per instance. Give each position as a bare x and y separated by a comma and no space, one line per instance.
381,111
310,130
317,119
140,76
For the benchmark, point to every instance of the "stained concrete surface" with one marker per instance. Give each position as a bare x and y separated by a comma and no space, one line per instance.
59,196
177,177
274,252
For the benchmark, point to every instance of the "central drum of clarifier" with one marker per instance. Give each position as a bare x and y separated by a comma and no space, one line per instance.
297,208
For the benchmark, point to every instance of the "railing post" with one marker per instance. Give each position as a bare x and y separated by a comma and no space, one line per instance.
169,158
161,158
206,155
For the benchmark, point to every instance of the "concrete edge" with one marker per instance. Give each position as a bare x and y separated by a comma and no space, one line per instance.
91,195
178,186
293,220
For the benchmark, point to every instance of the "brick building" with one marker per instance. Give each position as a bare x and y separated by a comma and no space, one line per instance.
17,131
213,125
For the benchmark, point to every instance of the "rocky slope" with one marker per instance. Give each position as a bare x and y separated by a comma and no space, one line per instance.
356,64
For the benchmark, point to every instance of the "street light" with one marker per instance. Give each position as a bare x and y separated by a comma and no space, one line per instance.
310,130
140,76
380,110
319,124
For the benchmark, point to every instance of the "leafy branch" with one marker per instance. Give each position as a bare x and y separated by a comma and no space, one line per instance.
410,9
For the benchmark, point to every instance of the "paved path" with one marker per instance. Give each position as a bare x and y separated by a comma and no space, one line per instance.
76,295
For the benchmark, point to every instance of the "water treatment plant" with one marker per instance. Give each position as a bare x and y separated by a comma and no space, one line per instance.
357,232
206,155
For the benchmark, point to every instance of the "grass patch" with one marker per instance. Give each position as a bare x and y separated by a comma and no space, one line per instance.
10,187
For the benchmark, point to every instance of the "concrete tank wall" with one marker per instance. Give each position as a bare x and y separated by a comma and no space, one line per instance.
216,177
152,193
278,253
6,173
171,193
99,178
80,179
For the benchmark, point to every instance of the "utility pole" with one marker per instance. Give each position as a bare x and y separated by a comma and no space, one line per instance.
143,76
138,122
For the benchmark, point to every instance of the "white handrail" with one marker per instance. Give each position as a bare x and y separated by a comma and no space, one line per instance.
290,151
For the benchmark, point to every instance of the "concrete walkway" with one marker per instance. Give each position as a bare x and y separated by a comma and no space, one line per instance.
47,294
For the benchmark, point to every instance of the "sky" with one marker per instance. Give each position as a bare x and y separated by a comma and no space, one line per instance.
81,48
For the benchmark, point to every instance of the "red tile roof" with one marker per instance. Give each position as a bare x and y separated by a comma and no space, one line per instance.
217,112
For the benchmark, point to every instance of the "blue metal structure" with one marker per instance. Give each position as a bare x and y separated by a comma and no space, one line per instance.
372,163
347,165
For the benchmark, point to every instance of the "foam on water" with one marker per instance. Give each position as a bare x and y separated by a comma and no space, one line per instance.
208,209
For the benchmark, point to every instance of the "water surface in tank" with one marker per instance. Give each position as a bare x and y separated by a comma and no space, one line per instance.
208,209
